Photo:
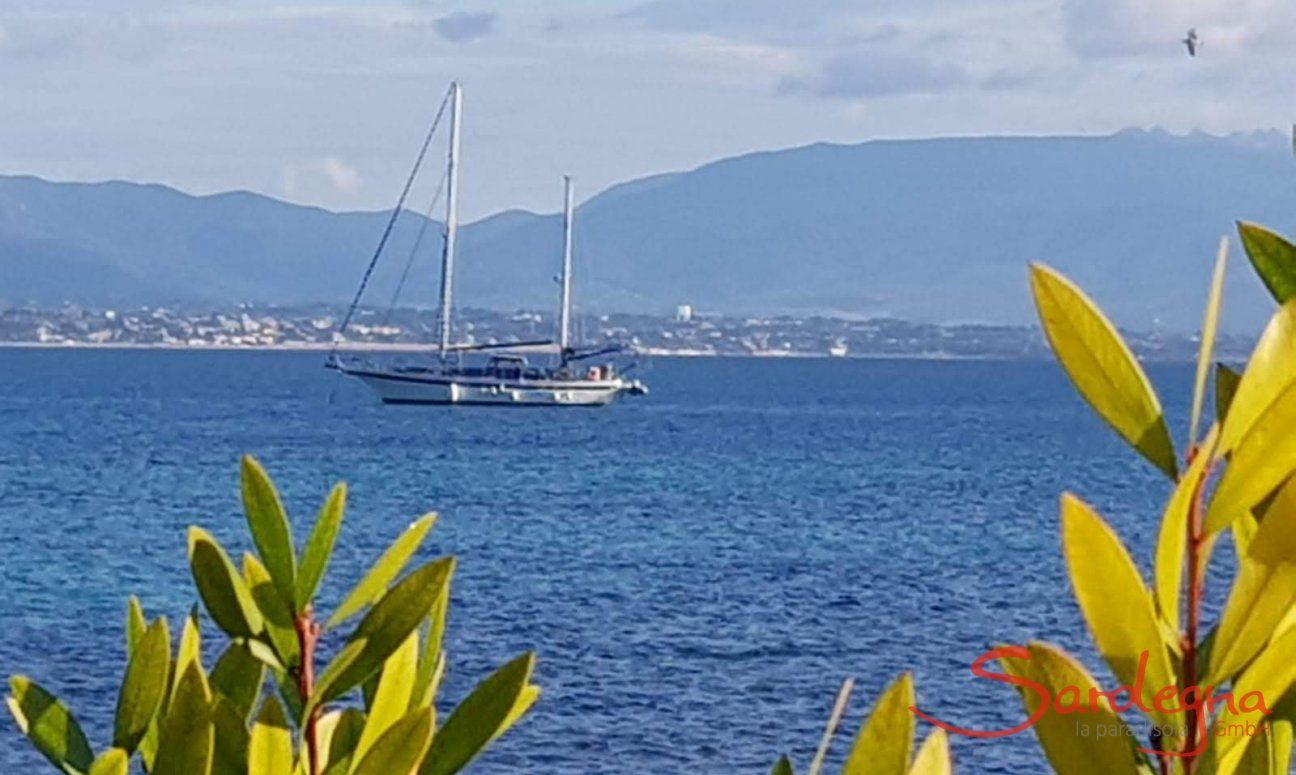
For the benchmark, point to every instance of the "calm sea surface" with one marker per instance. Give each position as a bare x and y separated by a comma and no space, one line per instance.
698,570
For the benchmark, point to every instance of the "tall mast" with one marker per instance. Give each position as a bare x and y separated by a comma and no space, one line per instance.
451,220
564,325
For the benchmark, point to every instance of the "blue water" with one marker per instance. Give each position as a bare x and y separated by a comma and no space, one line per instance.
698,570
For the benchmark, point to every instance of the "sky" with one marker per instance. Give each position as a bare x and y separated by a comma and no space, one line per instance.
326,103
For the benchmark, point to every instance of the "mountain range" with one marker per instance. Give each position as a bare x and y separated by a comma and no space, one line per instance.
933,230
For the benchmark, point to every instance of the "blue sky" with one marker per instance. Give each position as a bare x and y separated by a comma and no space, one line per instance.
324,103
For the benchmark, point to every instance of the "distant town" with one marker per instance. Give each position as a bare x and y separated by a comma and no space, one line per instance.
686,333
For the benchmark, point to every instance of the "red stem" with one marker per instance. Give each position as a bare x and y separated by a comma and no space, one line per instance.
1196,584
308,632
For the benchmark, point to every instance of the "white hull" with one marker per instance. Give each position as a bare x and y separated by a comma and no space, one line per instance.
401,388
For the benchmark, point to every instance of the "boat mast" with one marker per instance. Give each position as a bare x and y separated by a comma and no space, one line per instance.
451,220
564,325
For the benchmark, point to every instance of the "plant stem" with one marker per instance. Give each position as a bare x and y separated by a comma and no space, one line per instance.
308,632
1196,583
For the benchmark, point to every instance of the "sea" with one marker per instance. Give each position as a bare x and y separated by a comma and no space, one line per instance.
697,570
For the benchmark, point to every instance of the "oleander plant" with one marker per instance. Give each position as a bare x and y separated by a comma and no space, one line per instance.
267,706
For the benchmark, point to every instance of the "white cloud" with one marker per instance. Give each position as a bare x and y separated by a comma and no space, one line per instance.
304,181
464,26
874,74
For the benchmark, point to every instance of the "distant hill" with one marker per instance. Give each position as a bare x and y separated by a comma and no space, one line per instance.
937,230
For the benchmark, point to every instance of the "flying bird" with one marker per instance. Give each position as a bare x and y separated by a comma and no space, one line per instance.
1191,42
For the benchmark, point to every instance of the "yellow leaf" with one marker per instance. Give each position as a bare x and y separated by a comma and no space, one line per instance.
392,698
189,652
1263,592
1271,369
934,756
1210,325
884,742
1102,366
1269,676
1261,461
114,761
1114,602
270,751
1094,742
1173,536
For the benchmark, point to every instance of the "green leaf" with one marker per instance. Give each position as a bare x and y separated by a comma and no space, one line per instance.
432,658
189,651
49,725
1210,326
1273,257
342,737
319,547
237,677
136,624
269,526
1271,676
275,614
391,620
1226,385
1114,602
114,761
391,699
1093,742
934,756
401,747
383,572
883,744
1264,590
144,686
230,753
327,687
270,749
1102,367
783,767
479,718
1271,369
222,590
1173,535
186,735
1262,460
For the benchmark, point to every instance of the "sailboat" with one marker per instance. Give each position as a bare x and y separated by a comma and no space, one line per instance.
506,379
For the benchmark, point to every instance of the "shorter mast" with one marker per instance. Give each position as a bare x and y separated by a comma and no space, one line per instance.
451,221
564,314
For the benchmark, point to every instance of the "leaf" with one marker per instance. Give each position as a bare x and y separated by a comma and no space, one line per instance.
478,719
49,725
1093,742
386,569
345,736
401,747
270,748
392,698
432,658
237,676
1173,535
1263,592
934,756
327,687
883,744
230,753
783,767
1271,369
1271,676
1102,367
1273,257
1226,385
189,651
114,761
319,547
278,619
136,624
391,620
1210,326
269,526
1114,602
143,686
186,735
1263,458
227,598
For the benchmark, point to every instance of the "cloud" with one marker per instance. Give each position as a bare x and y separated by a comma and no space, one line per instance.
1101,29
464,26
868,74
327,175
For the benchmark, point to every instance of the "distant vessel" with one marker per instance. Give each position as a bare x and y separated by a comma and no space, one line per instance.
502,380
839,349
